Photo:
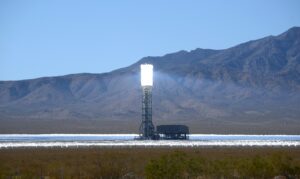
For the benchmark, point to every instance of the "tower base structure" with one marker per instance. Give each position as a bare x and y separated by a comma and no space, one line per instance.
147,127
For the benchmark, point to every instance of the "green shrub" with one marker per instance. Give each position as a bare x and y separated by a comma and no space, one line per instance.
167,166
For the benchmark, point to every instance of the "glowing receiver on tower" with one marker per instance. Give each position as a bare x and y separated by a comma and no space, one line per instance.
147,75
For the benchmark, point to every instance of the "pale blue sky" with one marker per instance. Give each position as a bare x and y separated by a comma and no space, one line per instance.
57,37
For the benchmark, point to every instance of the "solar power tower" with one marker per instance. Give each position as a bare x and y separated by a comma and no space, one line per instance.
147,127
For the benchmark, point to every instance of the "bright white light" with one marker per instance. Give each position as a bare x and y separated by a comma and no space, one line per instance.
147,75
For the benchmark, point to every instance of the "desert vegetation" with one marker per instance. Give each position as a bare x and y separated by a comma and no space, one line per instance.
149,163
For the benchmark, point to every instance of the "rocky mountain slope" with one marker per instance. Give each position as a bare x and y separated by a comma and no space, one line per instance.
254,83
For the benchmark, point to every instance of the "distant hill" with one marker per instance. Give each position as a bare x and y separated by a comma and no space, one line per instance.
254,86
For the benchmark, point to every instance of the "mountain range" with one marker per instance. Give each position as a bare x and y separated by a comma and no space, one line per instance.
253,87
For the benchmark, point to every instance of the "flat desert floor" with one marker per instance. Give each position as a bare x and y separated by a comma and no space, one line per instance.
46,126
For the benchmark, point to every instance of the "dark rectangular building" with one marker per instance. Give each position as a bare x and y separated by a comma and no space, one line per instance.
173,132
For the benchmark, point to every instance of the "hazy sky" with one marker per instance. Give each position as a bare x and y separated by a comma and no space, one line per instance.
57,37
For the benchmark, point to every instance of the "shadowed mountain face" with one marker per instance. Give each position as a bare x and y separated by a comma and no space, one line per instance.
254,83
